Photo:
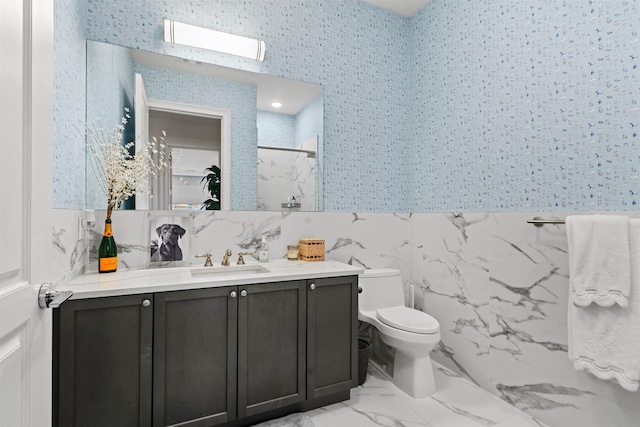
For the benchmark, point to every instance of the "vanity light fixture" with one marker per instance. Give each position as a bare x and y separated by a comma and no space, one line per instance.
190,35
276,104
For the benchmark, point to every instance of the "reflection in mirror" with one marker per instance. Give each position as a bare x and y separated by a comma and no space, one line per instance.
290,172
252,178
187,190
194,143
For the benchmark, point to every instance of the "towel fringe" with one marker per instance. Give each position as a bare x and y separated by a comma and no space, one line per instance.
586,297
606,373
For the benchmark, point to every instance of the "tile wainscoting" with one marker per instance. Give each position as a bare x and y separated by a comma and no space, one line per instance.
497,285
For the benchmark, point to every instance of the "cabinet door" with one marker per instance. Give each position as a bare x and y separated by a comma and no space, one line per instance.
271,346
332,335
195,357
102,351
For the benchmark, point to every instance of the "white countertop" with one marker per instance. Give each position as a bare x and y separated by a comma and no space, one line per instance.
139,281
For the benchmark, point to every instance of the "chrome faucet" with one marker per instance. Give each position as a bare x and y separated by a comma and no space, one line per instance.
207,262
227,255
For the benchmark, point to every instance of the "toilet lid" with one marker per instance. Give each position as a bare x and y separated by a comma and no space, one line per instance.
408,319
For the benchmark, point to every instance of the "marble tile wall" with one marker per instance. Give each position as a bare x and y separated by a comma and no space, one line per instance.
451,275
370,240
283,175
69,250
497,285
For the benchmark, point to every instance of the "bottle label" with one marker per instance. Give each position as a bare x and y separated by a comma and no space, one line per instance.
109,264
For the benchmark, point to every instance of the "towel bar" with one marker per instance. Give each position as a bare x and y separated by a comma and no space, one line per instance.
539,221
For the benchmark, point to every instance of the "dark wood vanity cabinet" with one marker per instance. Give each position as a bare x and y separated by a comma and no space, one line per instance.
227,355
102,362
332,336
271,346
195,340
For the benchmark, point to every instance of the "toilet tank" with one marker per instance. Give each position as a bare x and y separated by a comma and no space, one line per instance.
381,287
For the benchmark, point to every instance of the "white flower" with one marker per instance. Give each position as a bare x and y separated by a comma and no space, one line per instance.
119,172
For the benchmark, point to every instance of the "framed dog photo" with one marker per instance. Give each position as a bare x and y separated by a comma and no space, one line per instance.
169,239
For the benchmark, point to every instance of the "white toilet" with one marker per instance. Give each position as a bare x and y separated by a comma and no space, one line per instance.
412,333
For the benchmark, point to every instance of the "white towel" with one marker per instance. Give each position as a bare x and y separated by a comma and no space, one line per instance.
599,259
606,341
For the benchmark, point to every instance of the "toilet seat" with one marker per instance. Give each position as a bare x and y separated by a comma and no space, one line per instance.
408,319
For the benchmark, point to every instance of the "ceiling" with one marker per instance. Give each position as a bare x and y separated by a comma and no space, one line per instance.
294,95
406,8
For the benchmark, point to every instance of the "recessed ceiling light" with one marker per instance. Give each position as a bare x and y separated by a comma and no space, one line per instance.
276,104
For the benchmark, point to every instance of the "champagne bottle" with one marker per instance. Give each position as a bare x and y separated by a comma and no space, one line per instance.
108,252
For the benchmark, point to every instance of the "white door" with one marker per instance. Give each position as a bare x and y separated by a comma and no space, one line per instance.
26,119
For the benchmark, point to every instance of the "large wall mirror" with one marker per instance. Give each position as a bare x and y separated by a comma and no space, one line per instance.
269,155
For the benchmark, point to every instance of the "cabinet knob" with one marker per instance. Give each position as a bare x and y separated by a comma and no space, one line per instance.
243,293
312,286
146,303
233,294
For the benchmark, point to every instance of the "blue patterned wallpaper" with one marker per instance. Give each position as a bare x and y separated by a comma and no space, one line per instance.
506,105
276,130
69,97
110,89
521,105
283,130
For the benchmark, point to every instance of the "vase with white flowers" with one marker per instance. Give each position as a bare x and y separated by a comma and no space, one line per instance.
120,174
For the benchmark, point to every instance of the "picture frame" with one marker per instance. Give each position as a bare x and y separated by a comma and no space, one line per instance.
169,239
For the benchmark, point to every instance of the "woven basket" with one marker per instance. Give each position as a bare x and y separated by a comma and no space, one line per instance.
312,249
364,352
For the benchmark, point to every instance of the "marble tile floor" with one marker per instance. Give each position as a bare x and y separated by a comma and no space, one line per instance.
456,403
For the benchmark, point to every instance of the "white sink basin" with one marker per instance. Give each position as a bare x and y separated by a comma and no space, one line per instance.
229,270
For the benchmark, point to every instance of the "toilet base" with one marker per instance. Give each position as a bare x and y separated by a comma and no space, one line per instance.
414,376
424,387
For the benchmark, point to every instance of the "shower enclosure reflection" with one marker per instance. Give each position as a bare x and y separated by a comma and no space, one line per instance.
287,177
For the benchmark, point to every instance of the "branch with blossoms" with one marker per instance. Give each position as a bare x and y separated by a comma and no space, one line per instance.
119,172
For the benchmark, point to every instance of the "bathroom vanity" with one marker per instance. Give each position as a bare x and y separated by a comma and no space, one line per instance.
196,347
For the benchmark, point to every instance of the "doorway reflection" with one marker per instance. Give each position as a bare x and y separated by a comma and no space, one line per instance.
194,143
